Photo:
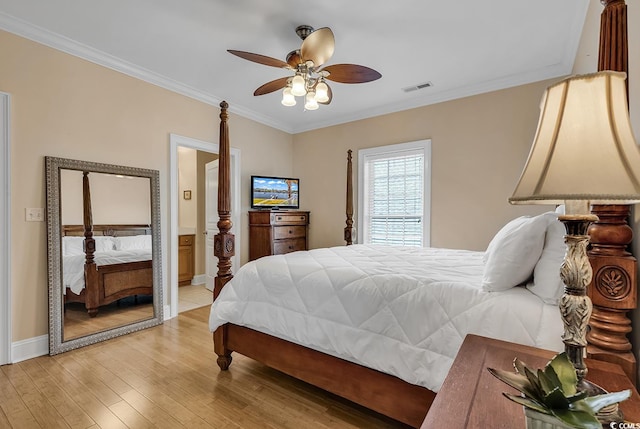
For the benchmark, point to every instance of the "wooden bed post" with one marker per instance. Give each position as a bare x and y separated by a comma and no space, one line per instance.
613,289
224,241
90,269
349,230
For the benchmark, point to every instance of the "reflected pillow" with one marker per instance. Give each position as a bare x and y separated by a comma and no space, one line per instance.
133,242
73,246
546,282
513,253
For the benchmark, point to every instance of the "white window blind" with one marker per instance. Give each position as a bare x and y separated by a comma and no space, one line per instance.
393,199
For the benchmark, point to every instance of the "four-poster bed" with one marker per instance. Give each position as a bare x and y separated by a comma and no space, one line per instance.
388,394
104,263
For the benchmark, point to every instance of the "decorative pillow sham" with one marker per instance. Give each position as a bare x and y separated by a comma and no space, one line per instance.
513,253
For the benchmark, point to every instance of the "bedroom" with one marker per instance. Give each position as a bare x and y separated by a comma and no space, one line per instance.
53,89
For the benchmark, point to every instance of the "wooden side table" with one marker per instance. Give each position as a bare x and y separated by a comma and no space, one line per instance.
471,397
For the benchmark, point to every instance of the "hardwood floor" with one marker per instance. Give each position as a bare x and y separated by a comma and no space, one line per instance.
166,377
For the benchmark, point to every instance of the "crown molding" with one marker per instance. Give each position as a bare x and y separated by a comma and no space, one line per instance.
64,44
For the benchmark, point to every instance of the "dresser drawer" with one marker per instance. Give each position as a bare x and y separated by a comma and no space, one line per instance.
289,219
285,246
185,240
284,232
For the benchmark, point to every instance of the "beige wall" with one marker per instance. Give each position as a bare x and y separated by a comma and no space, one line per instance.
478,145
67,107
114,199
187,181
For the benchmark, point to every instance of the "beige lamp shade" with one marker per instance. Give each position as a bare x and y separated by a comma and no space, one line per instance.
584,148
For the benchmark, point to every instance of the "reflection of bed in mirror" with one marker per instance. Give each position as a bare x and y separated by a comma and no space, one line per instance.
121,265
104,251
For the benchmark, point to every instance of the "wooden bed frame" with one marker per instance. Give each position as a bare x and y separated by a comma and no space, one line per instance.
105,284
372,389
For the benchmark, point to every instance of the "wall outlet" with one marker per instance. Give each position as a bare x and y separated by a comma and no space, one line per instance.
34,215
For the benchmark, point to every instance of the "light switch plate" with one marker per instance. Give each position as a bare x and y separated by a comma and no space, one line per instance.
34,215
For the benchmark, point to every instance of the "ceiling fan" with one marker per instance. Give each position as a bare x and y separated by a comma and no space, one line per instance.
310,74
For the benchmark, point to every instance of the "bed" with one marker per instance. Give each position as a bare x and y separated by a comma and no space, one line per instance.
102,264
394,374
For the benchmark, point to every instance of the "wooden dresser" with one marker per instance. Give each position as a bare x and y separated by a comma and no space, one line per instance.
186,259
274,232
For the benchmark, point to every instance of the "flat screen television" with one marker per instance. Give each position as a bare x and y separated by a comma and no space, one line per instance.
275,192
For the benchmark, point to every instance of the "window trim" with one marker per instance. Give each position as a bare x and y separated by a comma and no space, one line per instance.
424,145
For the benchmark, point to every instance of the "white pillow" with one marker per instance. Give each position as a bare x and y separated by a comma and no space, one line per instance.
133,242
547,283
104,243
72,246
513,253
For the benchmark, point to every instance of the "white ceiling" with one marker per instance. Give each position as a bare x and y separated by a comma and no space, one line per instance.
463,47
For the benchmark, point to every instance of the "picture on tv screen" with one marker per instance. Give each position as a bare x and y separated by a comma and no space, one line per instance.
274,192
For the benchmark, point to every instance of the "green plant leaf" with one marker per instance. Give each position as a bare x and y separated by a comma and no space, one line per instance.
535,383
565,372
577,397
529,403
517,381
519,366
596,403
578,419
556,400
546,383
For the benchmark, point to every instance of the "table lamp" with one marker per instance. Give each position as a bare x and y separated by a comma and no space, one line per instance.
583,153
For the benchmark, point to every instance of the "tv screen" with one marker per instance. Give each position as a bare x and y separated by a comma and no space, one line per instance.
274,192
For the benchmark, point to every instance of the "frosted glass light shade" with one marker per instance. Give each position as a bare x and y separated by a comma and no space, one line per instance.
584,148
298,86
311,102
322,92
288,98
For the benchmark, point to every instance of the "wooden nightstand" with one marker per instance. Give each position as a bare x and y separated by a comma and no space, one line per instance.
472,398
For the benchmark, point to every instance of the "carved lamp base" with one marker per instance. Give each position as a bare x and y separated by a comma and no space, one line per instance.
575,305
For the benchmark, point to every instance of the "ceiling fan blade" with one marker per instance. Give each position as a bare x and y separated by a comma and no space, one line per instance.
318,46
351,73
330,94
260,59
293,59
269,87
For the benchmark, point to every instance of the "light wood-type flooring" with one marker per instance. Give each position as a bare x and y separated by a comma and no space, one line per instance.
166,377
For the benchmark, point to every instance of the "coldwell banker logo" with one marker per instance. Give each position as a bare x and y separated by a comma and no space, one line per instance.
624,425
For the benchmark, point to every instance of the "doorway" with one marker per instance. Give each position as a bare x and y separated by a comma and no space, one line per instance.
209,209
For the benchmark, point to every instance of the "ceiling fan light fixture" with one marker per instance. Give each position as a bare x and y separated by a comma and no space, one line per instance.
310,101
288,99
298,86
322,92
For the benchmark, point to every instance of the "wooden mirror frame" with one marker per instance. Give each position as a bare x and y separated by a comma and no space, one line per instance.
53,166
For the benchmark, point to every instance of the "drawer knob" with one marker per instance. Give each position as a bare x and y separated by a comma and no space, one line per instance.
290,247
290,232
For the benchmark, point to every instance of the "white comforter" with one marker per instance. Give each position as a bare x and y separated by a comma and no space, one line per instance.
73,266
403,311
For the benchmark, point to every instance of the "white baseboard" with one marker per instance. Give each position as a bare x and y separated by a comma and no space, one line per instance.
200,279
29,348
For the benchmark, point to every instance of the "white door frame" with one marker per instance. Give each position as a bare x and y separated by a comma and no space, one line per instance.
176,140
5,232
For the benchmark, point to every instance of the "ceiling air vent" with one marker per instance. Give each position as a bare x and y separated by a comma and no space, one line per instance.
417,87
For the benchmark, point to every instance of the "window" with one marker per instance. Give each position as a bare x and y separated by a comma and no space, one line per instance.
394,194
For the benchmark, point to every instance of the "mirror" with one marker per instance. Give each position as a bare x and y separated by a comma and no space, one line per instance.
104,259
